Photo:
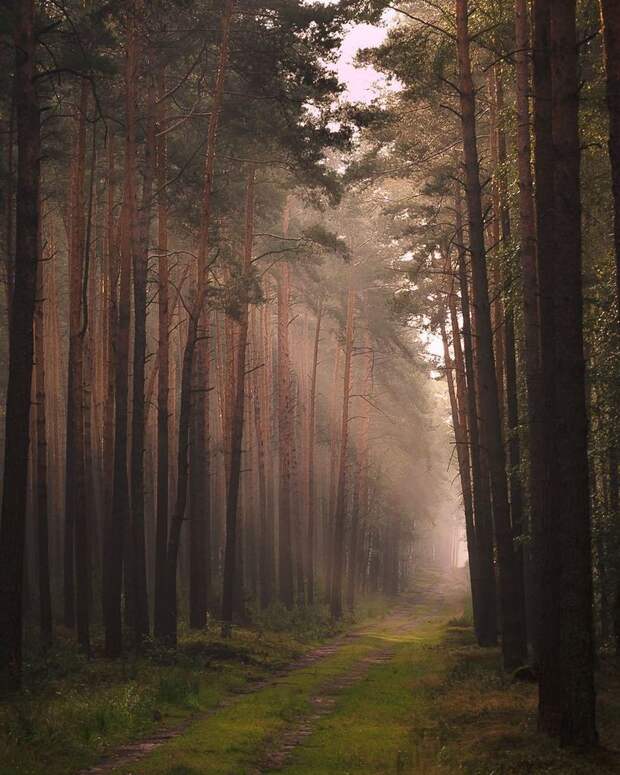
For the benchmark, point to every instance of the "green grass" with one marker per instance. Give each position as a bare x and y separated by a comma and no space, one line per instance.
72,711
231,740
443,706
439,706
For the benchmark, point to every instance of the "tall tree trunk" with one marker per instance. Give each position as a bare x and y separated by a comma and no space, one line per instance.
285,560
487,630
42,506
202,270
577,724
340,510
360,494
513,629
546,556
507,280
163,374
111,298
9,274
118,518
137,549
76,528
531,318
199,486
614,502
462,454
311,499
21,346
610,11
237,417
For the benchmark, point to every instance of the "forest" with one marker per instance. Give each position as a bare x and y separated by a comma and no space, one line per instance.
310,387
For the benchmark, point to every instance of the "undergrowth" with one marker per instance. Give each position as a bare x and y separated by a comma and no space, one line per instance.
71,711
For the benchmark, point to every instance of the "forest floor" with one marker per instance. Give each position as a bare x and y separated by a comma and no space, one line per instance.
407,691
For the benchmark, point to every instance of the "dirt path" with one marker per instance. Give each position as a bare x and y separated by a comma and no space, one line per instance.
355,654
138,749
402,619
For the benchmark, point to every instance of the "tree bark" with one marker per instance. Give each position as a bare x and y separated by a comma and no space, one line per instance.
610,12
139,595
531,317
178,515
163,375
21,346
119,516
311,500
76,527
486,632
340,510
546,556
513,631
237,417
285,560
577,724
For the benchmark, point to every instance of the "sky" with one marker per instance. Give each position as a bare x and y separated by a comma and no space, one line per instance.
363,84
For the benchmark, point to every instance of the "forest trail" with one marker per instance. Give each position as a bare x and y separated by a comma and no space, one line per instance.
262,728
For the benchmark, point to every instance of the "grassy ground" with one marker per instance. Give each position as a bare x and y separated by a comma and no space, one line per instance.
72,712
442,706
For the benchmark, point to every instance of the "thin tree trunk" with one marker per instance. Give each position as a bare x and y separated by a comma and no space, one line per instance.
531,318
311,500
513,629
76,529
487,631
178,515
340,510
462,454
163,375
237,417
285,561
510,364
42,499
137,549
199,489
118,518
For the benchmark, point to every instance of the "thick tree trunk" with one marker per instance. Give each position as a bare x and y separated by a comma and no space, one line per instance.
21,346
546,556
577,724
513,629
237,417
610,11
340,509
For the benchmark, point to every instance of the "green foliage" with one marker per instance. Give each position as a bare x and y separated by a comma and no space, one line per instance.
308,623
